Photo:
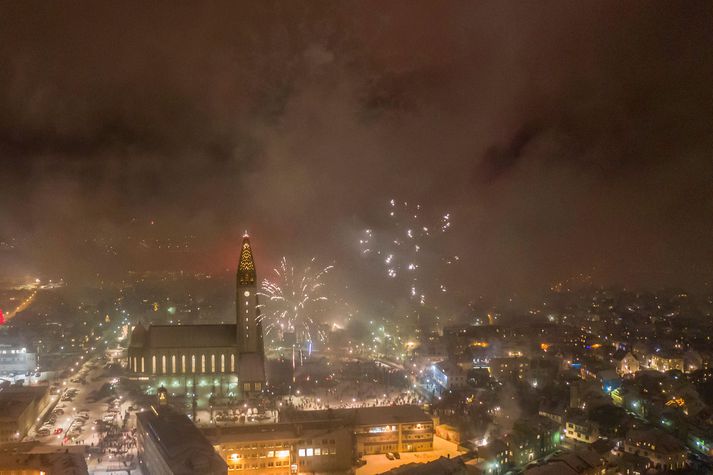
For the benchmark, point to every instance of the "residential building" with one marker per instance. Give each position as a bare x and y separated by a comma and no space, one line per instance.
663,450
31,458
581,429
321,446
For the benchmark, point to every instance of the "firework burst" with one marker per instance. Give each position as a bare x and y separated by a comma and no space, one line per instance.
291,301
410,243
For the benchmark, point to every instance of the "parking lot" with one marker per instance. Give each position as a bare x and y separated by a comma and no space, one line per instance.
89,411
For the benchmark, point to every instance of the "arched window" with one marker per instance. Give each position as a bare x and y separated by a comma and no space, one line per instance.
173,364
143,369
232,362
163,364
183,363
153,364
222,362
212,363
193,363
203,363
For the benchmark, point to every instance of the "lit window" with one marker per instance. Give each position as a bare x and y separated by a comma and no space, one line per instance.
310,452
232,362
212,363
163,364
318,451
258,386
183,363
270,453
222,363
153,364
193,363
173,363
301,452
203,363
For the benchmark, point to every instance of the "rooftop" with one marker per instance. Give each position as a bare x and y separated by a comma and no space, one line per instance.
441,466
191,336
283,431
363,415
51,459
661,442
14,400
183,447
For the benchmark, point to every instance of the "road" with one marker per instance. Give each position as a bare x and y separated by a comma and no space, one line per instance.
24,305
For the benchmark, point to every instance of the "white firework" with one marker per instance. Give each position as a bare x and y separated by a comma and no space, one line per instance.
408,242
291,301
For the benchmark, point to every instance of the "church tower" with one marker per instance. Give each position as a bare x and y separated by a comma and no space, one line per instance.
251,355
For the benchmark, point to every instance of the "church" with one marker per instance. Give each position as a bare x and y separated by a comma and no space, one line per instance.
229,357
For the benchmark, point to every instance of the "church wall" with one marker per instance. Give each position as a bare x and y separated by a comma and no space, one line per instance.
179,361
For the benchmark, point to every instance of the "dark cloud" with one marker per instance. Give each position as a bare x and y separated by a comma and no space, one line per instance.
564,137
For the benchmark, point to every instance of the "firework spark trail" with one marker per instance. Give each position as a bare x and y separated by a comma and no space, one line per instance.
401,247
291,300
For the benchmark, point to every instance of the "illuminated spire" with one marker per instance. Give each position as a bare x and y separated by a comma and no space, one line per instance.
246,268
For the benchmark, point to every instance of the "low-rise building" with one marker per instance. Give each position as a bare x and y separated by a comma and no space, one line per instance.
168,443
532,438
580,462
508,369
663,450
322,446
441,466
628,365
581,430
31,458
16,359
378,430
20,406
449,375
666,361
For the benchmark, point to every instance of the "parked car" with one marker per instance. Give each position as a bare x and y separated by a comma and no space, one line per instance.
390,456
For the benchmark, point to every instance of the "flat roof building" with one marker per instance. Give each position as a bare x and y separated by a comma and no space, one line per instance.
170,444
19,409
380,429
32,458
323,446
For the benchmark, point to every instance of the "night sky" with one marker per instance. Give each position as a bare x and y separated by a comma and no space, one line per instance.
562,137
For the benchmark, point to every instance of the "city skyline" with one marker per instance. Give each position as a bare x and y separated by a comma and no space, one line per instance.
563,140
